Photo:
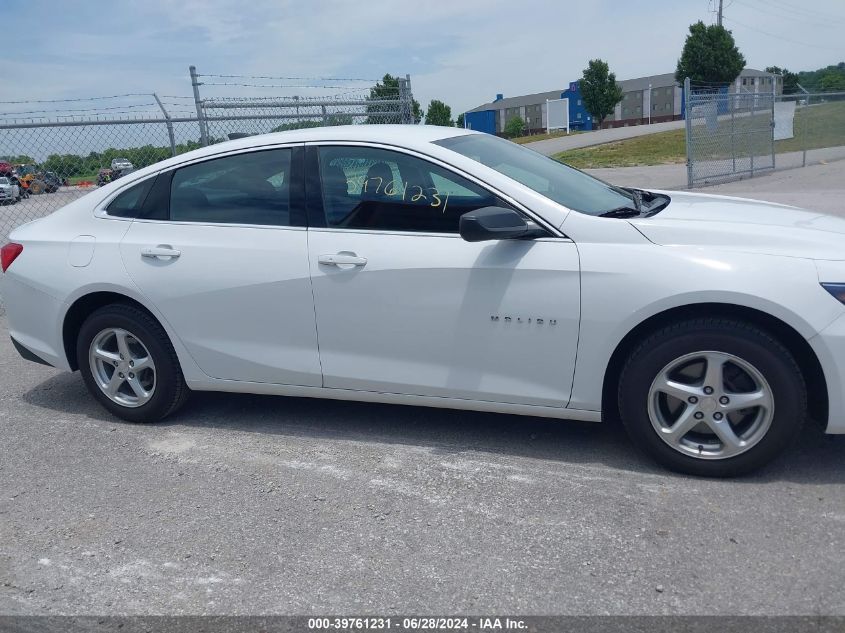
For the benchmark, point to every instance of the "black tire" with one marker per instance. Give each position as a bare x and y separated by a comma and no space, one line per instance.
743,340
170,391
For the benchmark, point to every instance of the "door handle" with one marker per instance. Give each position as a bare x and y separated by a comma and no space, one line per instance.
162,251
341,259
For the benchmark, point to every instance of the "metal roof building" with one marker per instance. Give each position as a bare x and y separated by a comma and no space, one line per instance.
651,99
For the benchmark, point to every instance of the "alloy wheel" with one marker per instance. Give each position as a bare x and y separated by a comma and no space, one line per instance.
122,367
710,405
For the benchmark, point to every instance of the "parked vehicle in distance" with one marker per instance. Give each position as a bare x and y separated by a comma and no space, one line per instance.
52,182
120,173
446,268
10,193
31,180
120,164
24,193
104,177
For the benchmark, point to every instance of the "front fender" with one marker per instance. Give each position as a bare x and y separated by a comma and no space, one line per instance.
624,285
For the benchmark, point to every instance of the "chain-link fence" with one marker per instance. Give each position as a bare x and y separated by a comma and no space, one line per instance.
741,134
810,128
728,134
52,152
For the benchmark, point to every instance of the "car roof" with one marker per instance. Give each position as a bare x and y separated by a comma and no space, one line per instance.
403,135
410,136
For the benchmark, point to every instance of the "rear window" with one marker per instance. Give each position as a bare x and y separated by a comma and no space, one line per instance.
128,203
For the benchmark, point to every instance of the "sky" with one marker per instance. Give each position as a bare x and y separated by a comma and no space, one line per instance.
460,51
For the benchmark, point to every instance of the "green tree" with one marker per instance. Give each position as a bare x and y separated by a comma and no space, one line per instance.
599,90
710,56
832,81
331,120
460,121
64,165
811,80
514,127
388,89
21,159
790,79
438,113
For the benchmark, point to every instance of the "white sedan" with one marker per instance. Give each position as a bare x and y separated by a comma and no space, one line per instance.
440,267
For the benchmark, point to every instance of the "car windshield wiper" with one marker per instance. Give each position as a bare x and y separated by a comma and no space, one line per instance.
621,212
648,203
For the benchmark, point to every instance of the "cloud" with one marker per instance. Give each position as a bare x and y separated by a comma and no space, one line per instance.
461,51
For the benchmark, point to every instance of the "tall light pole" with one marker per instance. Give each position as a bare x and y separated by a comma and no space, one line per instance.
649,103
719,16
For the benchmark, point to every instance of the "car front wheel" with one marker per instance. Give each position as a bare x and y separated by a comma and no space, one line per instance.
129,364
712,397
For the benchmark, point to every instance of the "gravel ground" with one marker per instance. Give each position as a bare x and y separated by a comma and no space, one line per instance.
256,505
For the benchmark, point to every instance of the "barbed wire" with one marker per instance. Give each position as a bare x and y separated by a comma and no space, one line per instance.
129,94
271,85
287,78
92,109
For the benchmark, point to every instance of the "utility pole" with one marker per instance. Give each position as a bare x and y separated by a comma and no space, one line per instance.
719,17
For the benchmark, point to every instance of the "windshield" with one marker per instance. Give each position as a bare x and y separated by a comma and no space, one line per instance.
565,185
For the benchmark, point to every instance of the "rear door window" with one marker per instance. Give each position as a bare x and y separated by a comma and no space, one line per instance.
250,188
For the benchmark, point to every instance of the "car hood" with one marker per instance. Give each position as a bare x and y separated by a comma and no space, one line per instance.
750,226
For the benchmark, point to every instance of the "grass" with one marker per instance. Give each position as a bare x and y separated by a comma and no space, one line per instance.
75,180
815,127
541,137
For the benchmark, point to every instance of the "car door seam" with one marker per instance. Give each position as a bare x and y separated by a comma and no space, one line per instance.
314,304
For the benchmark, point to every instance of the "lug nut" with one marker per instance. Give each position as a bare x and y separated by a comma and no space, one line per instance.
724,400
699,415
131,375
717,416
131,363
693,400
116,363
120,375
708,390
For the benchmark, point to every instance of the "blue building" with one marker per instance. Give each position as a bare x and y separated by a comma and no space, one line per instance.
579,118
493,117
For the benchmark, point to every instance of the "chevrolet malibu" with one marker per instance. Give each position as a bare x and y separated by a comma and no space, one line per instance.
440,267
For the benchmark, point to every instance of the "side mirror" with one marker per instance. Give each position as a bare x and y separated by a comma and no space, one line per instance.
497,223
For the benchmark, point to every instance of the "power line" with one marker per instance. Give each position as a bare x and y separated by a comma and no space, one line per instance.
781,37
786,6
760,5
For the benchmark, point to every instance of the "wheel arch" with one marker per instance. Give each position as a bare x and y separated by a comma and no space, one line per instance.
82,307
797,345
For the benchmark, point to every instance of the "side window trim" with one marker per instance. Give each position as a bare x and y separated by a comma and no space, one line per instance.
157,203
317,215
313,187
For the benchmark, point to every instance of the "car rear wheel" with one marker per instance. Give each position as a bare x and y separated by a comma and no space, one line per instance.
712,397
129,364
